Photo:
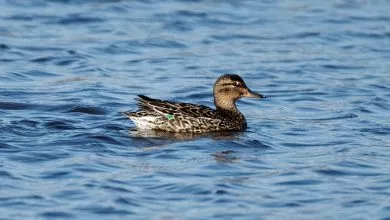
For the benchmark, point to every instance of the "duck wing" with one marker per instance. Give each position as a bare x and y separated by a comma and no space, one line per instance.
162,107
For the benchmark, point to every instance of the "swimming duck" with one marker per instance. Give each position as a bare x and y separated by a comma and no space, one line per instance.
186,117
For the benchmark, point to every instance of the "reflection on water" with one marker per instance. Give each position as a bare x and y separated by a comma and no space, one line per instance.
156,134
225,156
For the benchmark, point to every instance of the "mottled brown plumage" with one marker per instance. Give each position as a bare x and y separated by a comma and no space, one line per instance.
186,117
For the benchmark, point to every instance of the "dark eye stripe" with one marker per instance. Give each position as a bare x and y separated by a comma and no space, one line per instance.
231,84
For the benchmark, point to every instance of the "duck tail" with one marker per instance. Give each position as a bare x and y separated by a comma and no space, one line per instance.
129,114
145,103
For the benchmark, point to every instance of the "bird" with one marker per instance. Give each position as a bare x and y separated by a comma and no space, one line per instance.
171,116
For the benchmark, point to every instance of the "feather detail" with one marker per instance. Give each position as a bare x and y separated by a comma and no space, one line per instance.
172,116
181,117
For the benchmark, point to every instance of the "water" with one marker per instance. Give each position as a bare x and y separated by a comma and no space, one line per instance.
318,147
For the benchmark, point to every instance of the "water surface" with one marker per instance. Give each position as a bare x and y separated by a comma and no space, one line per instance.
317,148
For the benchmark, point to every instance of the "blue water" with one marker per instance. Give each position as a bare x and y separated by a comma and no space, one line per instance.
317,148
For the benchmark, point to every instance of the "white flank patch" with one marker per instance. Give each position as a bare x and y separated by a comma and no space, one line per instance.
145,122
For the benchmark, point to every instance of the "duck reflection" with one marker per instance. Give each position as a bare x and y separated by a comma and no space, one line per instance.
156,134
160,139
225,156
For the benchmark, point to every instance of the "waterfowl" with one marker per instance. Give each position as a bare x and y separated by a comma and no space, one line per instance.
172,116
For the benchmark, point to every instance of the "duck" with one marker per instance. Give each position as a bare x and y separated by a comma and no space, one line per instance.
171,116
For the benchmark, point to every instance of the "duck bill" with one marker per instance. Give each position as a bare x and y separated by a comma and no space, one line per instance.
250,94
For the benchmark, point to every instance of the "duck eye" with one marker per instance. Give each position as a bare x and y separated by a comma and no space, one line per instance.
237,84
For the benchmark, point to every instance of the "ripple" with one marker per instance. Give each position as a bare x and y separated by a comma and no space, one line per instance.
37,73
43,59
370,35
106,210
343,67
105,138
34,157
85,168
55,175
90,110
56,214
338,172
317,144
5,174
355,203
76,19
127,201
59,125
300,182
16,106
237,37
117,189
378,131
70,195
4,47
341,117
332,172
8,148
128,46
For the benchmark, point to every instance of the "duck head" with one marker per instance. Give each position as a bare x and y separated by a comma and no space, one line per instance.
230,87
